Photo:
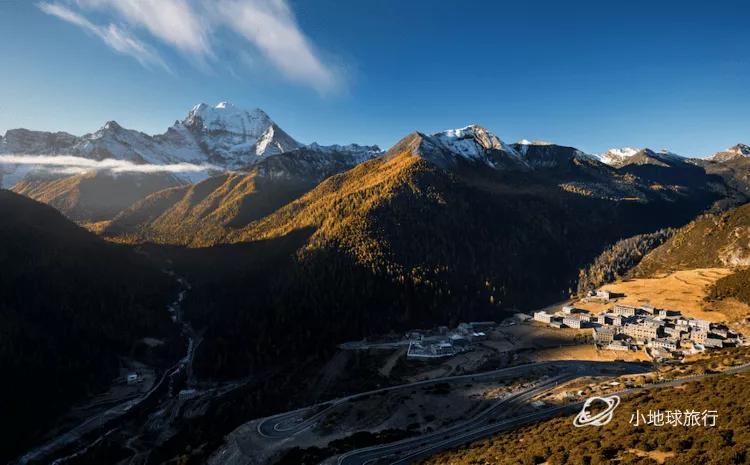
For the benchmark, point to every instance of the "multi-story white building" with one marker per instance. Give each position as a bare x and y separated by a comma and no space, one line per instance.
623,310
542,316
641,331
604,334
703,325
664,343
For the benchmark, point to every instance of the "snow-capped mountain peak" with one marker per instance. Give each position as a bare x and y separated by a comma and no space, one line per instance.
226,117
472,142
221,135
112,126
736,151
740,149
232,136
617,155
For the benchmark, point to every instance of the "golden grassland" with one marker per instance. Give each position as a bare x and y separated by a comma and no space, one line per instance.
586,352
685,291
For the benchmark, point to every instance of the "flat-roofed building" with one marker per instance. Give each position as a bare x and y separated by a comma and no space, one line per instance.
649,309
604,334
698,336
572,322
664,343
700,324
721,332
623,310
641,332
544,317
612,319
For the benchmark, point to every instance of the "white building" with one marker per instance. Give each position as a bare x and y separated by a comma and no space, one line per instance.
664,343
572,322
611,319
623,310
703,325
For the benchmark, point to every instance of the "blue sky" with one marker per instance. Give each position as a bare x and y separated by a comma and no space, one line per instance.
593,75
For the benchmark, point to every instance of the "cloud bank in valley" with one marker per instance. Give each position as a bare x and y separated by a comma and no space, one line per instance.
69,164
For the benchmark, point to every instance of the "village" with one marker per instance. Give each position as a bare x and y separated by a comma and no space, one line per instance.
663,333
612,330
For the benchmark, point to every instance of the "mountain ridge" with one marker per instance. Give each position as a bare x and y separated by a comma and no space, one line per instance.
738,151
222,135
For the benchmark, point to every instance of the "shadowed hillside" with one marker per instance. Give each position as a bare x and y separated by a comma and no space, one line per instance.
70,303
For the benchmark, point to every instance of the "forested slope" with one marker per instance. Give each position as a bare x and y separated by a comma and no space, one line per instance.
70,303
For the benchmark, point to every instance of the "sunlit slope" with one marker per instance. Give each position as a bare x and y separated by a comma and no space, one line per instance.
94,196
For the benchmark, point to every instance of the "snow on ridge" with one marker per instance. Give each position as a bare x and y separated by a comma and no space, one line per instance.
224,116
617,155
740,149
471,141
222,134
349,148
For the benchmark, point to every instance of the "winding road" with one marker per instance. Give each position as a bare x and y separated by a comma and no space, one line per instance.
412,450
497,418
103,421
480,422
290,423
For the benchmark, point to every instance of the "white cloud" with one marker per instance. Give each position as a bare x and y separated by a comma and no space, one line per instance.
175,22
112,35
73,165
270,25
191,26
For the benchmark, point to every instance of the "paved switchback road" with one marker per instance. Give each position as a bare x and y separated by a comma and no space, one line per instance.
413,450
288,424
